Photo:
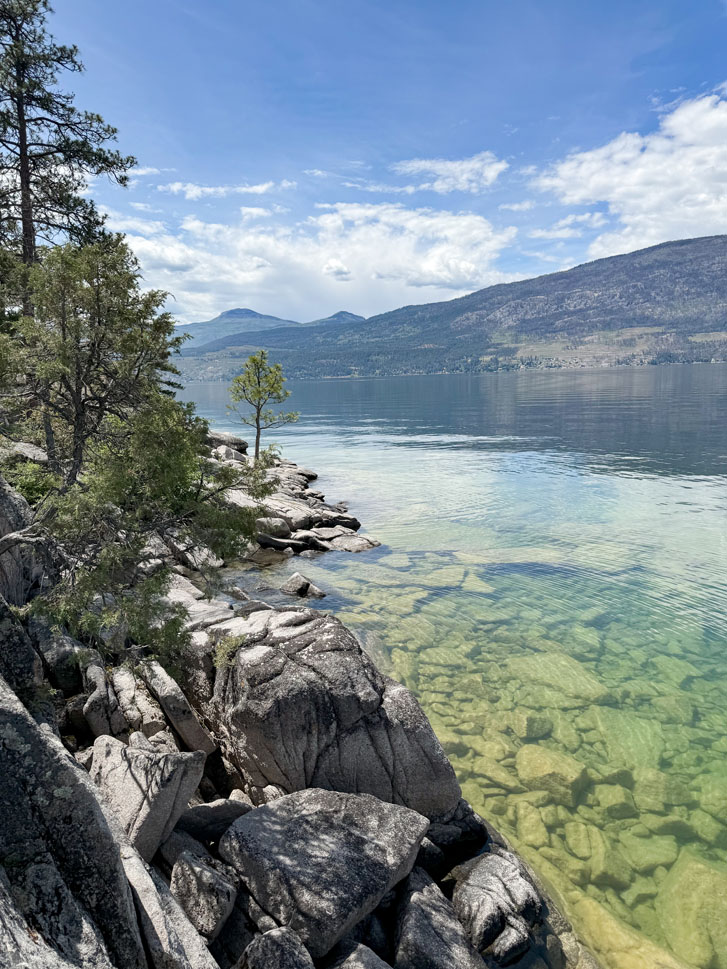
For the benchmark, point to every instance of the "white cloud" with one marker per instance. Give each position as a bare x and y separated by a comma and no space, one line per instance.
249,212
523,206
373,256
143,207
118,222
669,184
194,192
381,188
142,170
473,174
571,226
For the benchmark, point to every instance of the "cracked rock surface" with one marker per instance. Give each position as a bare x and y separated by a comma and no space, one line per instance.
320,861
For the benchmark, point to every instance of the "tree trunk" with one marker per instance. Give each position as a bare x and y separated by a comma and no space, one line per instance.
26,197
258,432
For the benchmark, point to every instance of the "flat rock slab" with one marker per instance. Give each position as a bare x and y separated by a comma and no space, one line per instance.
204,891
146,791
429,935
320,861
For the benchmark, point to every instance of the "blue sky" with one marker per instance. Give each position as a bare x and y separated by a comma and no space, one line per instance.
304,156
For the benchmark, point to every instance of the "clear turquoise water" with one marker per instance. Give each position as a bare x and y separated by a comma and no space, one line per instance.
553,573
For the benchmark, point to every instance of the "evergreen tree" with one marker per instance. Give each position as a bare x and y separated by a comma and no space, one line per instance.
260,384
48,147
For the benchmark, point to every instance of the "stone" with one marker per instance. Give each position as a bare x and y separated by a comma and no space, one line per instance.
205,894
646,854
530,827
169,937
303,706
176,707
609,867
692,909
497,903
208,822
299,585
528,725
201,611
577,840
147,792
61,655
708,828
102,711
59,860
653,790
615,801
359,956
631,741
319,861
20,665
22,568
713,794
428,933
641,890
141,711
540,768
563,680
277,527
277,949
226,439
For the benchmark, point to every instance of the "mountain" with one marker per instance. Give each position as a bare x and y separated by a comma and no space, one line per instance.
226,329
341,317
229,323
664,304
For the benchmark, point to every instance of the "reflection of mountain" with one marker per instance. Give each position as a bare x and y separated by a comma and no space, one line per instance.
661,420
659,305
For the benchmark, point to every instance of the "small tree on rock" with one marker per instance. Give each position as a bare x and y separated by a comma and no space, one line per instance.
259,385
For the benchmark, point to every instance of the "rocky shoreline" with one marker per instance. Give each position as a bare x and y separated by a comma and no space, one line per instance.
283,804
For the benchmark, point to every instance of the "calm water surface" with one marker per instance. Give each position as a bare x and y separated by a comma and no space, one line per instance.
553,573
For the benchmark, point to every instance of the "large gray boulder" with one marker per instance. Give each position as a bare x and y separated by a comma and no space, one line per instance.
61,861
276,949
301,705
428,934
208,822
319,861
176,707
359,956
147,792
497,903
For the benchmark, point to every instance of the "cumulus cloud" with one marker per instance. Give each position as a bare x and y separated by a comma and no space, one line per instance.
193,192
473,174
384,255
523,206
119,222
249,212
669,184
571,226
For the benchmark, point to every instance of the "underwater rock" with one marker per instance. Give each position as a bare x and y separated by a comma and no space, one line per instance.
540,768
692,909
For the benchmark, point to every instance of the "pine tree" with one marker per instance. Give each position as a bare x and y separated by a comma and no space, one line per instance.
48,147
260,383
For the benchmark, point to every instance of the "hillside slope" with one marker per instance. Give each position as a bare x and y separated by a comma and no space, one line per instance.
666,303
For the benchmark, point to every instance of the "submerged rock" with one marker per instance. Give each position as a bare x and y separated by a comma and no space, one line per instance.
692,909
319,861
543,769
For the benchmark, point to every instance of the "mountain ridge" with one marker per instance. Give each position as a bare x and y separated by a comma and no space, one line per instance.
665,303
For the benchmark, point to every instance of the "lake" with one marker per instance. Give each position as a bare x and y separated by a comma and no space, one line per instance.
552,584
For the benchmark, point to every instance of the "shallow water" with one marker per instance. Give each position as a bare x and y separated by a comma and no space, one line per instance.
553,576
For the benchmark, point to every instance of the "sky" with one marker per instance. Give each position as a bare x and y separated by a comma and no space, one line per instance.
300,157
